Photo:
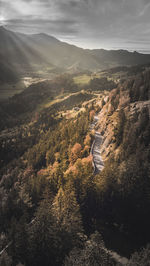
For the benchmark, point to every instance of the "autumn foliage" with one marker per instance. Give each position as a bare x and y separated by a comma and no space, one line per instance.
75,153
91,115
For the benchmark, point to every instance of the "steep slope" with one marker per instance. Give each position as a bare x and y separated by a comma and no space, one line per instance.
126,103
31,52
17,50
124,122
39,51
47,176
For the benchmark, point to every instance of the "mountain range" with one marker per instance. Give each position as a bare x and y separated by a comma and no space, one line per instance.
21,53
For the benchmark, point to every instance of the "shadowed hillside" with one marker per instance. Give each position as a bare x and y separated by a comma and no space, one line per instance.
27,53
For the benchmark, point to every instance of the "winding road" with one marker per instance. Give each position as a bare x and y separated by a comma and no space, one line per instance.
95,149
98,166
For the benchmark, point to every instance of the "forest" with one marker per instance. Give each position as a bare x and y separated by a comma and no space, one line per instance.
54,209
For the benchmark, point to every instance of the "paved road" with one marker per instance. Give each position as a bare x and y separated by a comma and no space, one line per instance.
95,149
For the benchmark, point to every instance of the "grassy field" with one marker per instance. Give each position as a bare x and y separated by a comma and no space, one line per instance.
48,102
82,79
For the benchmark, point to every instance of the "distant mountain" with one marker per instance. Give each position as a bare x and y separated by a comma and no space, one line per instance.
26,53
19,50
120,57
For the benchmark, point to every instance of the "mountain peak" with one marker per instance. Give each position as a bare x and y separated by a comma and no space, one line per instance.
45,36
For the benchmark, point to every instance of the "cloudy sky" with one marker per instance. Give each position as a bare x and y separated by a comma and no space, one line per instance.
109,24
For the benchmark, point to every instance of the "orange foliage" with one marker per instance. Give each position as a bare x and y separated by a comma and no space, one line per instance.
91,114
72,169
87,163
75,153
87,140
87,160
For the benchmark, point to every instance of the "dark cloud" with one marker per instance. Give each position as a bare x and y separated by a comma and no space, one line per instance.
53,27
93,23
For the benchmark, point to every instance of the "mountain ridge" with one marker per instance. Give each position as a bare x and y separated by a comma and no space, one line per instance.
42,52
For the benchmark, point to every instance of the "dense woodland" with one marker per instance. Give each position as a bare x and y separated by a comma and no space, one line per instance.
54,209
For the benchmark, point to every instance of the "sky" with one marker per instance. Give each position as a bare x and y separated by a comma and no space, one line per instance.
108,24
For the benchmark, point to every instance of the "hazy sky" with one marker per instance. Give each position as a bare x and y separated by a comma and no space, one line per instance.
88,23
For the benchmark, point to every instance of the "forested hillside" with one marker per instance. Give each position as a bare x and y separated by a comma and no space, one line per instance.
54,209
125,126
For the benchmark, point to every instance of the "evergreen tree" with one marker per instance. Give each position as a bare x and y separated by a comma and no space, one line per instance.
43,237
92,254
66,210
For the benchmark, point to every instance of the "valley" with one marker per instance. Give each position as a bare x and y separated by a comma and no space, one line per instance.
37,57
74,154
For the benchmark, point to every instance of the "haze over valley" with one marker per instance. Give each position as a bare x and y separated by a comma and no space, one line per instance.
74,133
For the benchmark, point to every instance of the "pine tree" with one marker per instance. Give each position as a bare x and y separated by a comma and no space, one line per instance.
43,237
66,210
